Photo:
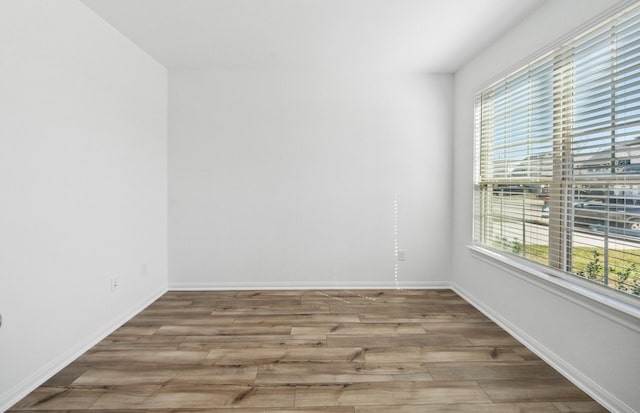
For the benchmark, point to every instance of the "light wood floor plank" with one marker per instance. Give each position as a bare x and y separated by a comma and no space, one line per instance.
409,393
340,372
280,355
190,396
492,370
356,329
440,354
464,408
145,374
536,389
580,407
208,343
405,340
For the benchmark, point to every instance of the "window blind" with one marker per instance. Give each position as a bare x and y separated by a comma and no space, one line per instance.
557,157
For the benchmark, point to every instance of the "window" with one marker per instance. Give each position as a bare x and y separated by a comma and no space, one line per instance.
557,158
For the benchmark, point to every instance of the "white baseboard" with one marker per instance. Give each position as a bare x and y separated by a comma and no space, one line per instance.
44,373
593,389
319,285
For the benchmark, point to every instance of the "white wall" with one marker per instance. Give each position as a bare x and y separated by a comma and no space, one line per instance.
83,178
600,354
287,179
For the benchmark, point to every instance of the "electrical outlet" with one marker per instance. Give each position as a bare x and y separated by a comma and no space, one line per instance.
402,255
115,284
143,269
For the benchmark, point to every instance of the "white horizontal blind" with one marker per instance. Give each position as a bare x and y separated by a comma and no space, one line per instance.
557,168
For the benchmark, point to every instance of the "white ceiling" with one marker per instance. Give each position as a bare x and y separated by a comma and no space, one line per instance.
436,36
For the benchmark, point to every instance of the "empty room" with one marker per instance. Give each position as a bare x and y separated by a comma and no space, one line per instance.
338,206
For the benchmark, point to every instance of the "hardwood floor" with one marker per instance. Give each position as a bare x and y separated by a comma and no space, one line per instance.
309,351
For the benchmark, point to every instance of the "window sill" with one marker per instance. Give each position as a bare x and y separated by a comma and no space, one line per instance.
611,304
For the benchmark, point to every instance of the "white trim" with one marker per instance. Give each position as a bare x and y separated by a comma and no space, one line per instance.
593,389
37,378
318,285
588,296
